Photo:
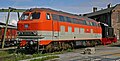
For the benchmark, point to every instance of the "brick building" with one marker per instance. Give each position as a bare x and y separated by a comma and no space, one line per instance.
109,16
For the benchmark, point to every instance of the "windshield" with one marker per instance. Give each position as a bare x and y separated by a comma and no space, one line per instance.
24,16
35,15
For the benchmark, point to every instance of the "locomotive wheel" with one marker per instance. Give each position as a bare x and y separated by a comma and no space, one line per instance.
84,43
66,46
60,46
49,48
72,45
87,43
93,43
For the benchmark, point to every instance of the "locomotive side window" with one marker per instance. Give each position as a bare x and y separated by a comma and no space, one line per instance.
81,22
91,24
35,15
54,17
94,24
24,16
61,18
48,16
84,22
77,21
68,19
74,20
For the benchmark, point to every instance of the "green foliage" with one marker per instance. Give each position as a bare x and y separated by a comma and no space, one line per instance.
61,52
10,55
17,57
3,53
69,50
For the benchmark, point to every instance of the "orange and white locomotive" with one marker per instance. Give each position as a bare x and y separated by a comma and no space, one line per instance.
50,30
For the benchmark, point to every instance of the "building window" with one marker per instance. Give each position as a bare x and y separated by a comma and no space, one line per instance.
48,16
118,17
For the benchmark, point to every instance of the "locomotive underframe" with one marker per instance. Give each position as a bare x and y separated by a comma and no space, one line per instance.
33,46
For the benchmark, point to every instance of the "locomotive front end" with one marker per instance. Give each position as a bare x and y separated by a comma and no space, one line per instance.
28,27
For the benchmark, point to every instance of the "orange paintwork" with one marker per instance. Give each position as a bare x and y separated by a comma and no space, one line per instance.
44,42
43,24
23,43
10,34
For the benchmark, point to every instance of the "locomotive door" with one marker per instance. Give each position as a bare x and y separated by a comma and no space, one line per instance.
55,28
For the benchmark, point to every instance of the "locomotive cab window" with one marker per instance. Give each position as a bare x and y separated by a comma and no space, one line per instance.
24,16
48,16
35,15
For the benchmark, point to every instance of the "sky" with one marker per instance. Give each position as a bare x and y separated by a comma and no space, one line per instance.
71,6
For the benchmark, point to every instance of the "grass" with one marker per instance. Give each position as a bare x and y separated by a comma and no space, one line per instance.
45,58
19,56
6,52
10,55
16,57
69,50
3,53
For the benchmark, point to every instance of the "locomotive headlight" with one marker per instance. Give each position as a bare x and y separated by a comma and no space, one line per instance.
23,47
26,25
31,42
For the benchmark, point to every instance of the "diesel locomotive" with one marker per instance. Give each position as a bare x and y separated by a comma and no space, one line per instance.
45,29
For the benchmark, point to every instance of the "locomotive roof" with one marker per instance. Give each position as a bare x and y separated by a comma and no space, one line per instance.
2,25
51,10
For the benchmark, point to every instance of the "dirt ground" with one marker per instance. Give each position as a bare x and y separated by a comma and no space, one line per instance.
102,53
